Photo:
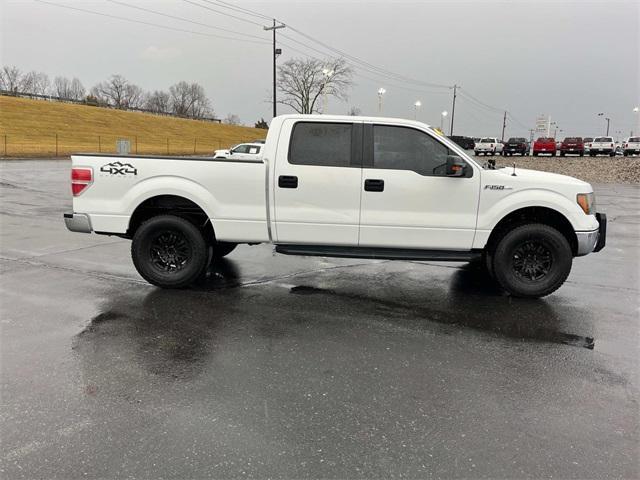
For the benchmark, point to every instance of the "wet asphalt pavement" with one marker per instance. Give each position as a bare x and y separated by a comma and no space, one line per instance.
306,367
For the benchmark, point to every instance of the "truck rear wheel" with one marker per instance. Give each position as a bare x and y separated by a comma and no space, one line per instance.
169,251
532,260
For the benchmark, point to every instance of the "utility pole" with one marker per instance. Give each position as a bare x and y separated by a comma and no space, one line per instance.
504,124
276,52
608,120
453,108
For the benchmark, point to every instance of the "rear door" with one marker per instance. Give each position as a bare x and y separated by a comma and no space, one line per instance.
407,199
317,182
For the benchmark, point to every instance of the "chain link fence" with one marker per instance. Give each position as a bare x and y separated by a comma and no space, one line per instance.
62,145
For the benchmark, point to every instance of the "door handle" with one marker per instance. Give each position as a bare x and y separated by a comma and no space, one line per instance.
287,181
373,185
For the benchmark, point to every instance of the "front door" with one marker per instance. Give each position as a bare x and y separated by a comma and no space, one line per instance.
317,183
408,201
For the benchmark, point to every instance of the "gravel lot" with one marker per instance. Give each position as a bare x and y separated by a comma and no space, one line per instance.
592,170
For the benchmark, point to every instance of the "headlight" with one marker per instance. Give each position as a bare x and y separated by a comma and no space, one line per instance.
587,202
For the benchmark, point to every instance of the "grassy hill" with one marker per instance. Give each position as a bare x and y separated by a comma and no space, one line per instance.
43,128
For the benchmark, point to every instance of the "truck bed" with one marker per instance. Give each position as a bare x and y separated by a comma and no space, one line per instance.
231,192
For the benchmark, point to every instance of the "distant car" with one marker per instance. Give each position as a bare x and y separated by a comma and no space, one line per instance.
573,145
631,146
604,145
544,145
465,142
587,143
244,151
488,146
516,145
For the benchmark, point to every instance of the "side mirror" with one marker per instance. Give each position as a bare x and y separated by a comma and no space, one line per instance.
456,167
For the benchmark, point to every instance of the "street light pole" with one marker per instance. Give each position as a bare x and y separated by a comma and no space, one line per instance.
453,108
276,52
416,106
327,75
636,110
381,92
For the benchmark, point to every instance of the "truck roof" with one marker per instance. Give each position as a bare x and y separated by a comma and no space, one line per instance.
350,118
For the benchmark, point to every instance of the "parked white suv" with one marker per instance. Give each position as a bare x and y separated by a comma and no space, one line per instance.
631,146
244,151
340,186
488,146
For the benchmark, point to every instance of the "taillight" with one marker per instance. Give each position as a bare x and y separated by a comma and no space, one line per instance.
612,145
81,178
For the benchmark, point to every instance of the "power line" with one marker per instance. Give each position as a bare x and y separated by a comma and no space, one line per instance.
185,19
141,22
239,9
222,13
365,63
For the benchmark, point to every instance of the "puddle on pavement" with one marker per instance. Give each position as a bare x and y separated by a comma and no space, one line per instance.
515,329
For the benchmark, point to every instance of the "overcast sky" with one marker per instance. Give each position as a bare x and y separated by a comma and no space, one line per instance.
570,60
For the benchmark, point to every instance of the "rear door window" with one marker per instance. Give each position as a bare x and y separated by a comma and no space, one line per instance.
321,143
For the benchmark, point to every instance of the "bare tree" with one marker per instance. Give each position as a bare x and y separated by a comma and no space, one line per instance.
119,93
302,82
232,119
10,78
35,82
354,112
189,100
77,90
68,89
158,101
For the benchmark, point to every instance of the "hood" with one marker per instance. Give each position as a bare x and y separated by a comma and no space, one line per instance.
536,178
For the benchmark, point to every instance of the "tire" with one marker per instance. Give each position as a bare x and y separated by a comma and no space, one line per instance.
222,249
582,154
553,154
592,154
626,154
535,154
519,251
169,251
612,154
562,154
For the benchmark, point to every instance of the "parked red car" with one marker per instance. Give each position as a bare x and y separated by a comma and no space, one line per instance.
572,145
544,145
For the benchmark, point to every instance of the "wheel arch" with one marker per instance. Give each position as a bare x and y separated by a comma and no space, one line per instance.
171,204
534,214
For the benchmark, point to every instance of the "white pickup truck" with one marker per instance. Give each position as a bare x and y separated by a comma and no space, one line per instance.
361,187
488,146
604,145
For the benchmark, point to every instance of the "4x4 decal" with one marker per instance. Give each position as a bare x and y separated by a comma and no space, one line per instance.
118,168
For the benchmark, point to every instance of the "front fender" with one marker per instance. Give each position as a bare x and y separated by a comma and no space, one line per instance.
490,213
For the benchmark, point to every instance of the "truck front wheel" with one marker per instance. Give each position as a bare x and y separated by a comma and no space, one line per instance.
532,260
169,251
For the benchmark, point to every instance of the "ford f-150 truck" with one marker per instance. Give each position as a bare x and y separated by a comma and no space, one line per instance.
604,145
340,186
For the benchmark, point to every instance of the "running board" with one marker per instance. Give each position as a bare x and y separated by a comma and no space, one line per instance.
374,253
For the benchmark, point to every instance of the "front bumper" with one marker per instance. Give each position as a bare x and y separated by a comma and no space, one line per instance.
595,240
78,222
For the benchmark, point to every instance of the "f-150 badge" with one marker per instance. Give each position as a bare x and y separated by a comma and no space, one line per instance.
497,187
118,168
